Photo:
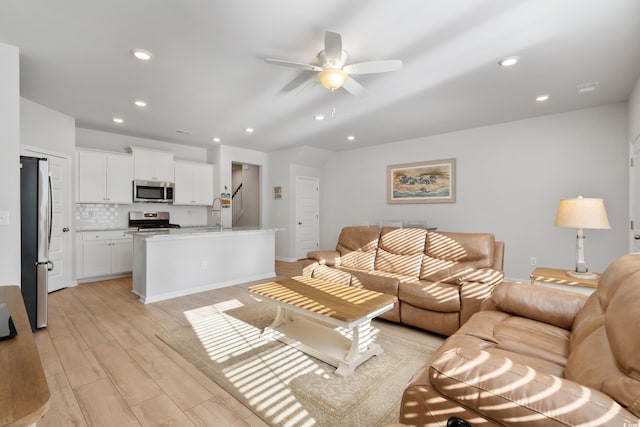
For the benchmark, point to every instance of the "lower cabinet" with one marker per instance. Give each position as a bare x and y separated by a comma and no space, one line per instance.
103,253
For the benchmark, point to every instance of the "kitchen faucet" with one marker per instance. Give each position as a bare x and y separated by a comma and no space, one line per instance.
219,210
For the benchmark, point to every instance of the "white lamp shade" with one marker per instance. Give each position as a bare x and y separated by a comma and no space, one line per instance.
582,213
332,79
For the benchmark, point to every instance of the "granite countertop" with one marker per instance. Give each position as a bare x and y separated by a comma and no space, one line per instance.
105,228
197,231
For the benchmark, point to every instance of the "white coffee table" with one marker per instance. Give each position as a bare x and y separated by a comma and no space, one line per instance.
311,310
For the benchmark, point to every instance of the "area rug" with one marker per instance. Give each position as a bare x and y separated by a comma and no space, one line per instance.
284,386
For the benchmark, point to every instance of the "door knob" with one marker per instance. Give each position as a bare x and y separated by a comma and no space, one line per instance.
301,224
637,237
64,230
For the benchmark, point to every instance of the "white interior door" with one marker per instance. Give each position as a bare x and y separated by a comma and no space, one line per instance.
307,215
634,245
60,250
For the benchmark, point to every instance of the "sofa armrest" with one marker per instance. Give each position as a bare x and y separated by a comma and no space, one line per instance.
488,276
308,265
551,306
505,391
325,257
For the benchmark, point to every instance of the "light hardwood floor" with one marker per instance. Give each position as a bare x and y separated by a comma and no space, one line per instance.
106,367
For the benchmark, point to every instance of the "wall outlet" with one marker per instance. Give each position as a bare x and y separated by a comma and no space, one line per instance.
533,261
4,217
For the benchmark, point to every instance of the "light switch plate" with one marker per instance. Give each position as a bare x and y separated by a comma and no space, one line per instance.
4,217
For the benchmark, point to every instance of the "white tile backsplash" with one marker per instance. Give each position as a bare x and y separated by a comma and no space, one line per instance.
89,215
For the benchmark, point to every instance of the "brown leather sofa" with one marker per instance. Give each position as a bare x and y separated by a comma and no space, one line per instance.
536,356
440,278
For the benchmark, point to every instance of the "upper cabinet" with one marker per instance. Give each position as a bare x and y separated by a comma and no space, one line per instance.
193,183
104,177
150,165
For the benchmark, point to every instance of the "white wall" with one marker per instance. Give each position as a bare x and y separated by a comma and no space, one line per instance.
510,178
223,156
249,176
10,164
634,112
89,138
285,166
46,128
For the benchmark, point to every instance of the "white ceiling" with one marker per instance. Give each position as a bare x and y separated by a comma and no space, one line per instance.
208,76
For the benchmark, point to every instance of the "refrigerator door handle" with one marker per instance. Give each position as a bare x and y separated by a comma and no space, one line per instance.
50,219
50,265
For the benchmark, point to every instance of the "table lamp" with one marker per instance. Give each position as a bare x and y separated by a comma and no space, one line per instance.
581,213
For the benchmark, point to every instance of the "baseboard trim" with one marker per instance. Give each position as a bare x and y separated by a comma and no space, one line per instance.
286,259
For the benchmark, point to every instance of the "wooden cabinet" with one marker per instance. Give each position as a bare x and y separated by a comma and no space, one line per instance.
150,165
104,177
104,253
193,183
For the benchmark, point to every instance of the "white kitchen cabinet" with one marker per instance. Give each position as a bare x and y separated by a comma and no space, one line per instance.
104,177
150,165
104,253
193,183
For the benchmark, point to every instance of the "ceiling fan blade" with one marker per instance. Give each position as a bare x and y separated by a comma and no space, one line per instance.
332,46
353,87
292,64
303,87
372,67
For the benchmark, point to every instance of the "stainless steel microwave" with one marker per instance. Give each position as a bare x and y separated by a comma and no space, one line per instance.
152,191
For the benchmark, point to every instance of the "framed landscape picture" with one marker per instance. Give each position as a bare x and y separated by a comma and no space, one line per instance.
423,182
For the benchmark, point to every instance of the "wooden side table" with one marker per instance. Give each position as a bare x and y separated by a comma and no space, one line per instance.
24,393
559,279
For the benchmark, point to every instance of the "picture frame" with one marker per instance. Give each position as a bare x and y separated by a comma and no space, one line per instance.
423,182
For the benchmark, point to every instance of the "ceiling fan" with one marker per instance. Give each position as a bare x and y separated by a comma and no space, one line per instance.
333,72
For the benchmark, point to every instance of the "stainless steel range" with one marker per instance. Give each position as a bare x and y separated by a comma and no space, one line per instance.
150,220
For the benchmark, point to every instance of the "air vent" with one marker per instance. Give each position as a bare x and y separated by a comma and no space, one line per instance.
587,87
185,132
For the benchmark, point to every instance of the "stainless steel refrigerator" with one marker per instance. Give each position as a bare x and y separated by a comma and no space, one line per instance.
35,223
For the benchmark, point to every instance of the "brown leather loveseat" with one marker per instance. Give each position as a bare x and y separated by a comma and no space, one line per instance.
539,357
440,278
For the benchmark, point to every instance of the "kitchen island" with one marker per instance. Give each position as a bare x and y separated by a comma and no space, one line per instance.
176,262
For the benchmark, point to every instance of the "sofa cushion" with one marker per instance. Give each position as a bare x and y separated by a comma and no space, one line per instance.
511,388
436,296
358,246
605,351
451,256
373,282
400,251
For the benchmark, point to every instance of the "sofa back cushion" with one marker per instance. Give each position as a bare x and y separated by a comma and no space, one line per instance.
357,247
400,250
605,343
450,256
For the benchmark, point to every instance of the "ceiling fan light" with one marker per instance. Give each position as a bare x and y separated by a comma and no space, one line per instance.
332,79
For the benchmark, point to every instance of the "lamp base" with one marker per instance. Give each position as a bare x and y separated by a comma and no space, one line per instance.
588,276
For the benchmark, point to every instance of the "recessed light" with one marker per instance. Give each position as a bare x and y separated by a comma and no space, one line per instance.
118,120
216,139
587,87
249,130
319,117
141,54
351,138
140,103
542,98
509,61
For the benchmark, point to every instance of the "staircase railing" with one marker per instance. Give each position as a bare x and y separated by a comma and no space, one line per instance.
236,204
